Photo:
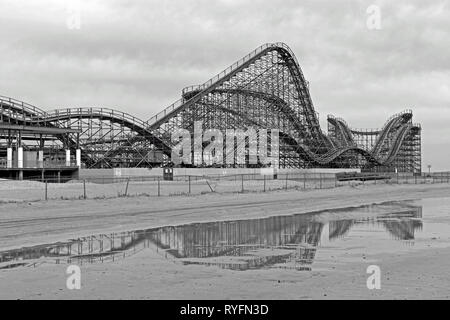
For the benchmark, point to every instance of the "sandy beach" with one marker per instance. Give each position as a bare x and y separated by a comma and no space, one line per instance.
418,274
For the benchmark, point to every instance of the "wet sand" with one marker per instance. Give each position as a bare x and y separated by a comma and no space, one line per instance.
423,274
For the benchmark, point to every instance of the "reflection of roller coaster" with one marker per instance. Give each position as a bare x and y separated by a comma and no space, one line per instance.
280,241
264,90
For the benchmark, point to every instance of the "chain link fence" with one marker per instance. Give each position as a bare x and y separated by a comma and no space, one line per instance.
36,189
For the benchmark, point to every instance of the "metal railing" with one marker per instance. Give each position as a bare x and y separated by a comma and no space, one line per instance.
67,188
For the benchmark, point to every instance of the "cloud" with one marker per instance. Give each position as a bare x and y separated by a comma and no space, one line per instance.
137,55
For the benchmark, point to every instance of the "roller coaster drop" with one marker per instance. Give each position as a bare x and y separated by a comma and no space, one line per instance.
264,90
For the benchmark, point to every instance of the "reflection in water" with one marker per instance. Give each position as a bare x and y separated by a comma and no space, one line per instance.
258,243
401,226
276,242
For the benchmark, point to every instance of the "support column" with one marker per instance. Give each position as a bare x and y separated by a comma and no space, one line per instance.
41,152
9,158
20,162
78,156
41,159
20,157
67,158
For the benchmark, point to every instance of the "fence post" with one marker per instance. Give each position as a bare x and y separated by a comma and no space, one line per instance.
304,181
286,182
46,190
159,186
210,188
189,184
84,189
320,177
126,188
264,183
242,177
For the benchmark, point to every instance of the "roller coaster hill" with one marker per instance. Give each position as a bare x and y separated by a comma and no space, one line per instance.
266,89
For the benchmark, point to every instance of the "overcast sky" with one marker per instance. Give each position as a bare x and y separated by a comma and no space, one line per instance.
137,55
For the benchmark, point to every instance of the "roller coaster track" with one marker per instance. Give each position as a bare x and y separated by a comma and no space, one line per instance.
344,131
395,126
104,114
342,126
274,102
15,110
38,116
334,154
401,135
256,77
225,75
371,156
394,121
193,94
21,113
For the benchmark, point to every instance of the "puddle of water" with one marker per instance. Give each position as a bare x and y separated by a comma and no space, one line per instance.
300,242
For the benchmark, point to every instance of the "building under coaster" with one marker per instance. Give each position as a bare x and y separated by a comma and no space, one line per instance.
266,89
